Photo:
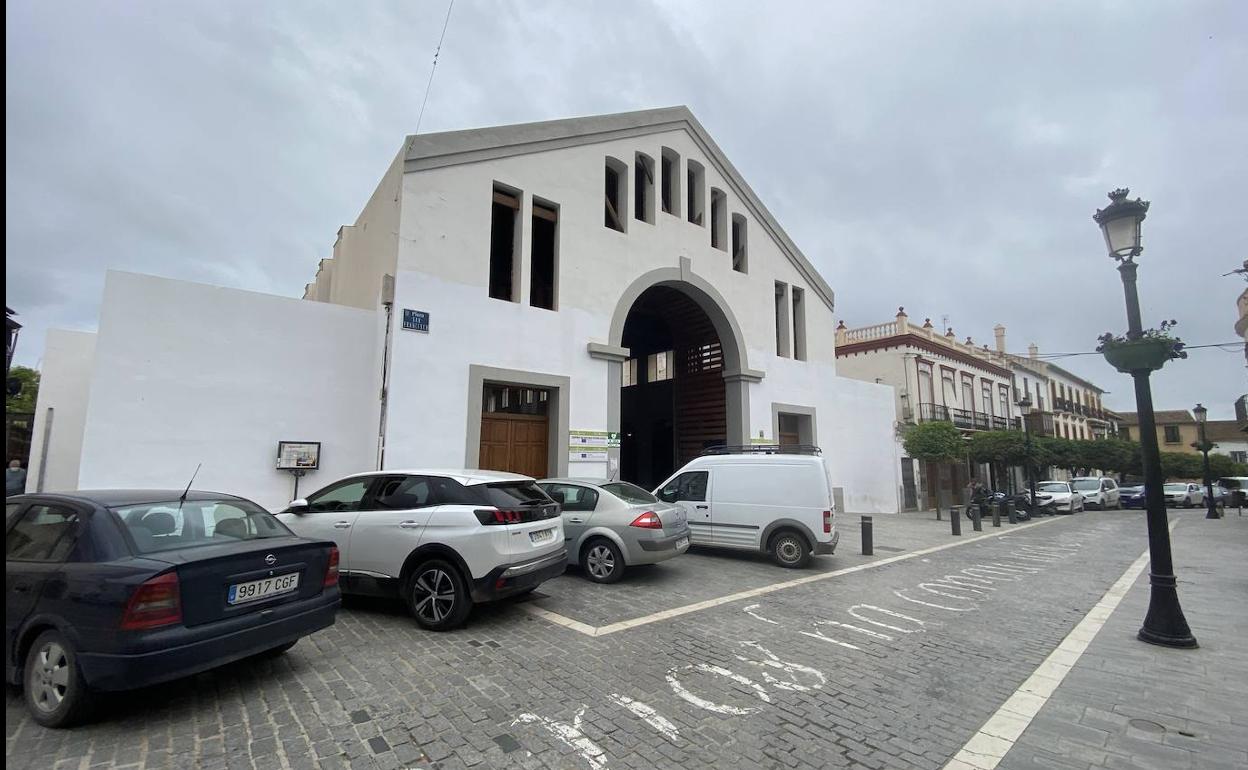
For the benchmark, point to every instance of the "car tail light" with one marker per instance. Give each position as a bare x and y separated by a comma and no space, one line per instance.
331,569
647,520
155,603
827,522
490,516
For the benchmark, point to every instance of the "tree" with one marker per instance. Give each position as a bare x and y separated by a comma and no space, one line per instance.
998,448
1058,452
1181,465
24,401
1110,455
936,442
1222,465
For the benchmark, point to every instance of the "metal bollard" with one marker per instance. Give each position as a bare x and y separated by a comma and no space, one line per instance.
1010,512
955,521
868,538
977,517
996,513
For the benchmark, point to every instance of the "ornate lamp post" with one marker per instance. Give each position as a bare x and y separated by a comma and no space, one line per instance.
1203,445
1139,356
1024,405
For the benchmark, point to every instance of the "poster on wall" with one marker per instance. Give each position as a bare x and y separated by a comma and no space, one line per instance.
298,455
589,445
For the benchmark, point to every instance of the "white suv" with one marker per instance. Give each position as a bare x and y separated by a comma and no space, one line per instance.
1098,491
441,540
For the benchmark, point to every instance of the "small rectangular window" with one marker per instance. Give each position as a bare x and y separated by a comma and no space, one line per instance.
671,181
659,366
503,236
740,257
643,187
1172,434
782,319
799,324
544,255
696,194
719,219
616,195
628,374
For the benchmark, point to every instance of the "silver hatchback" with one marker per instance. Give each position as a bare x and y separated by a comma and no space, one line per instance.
611,525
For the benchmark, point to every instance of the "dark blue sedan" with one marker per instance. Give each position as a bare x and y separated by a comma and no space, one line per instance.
1133,497
116,590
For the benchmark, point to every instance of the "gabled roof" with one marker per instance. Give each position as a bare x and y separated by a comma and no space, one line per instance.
449,148
1163,417
1225,430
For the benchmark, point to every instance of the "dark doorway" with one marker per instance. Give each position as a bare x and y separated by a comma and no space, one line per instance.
672,402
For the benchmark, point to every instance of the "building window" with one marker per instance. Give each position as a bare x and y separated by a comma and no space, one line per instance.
1172,434
515,399
1126,433
1004,402
719,219
968,394
799,324
740,257
670,189
544,255
695,198
616,194
782,319
793,429
1239,457
659,366
986,389
629,373
643,187
504,232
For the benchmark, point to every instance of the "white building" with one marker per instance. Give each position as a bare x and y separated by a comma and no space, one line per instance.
595,296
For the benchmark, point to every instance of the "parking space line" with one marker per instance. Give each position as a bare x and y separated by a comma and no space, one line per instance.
624,625
993,741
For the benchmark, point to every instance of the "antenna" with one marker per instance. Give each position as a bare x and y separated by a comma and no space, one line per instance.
944,322
187,491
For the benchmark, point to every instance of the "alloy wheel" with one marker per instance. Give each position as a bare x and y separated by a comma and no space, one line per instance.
433,595
49,679
600,561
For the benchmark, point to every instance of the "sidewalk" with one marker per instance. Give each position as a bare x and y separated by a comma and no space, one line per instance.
1127,704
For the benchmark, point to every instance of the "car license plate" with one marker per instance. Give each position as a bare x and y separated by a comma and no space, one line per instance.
241,593
682,543
542,535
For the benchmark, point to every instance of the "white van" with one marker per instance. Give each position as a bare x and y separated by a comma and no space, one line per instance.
779,504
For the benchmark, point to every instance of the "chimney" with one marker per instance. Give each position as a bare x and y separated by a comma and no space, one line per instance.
999,331
1033,351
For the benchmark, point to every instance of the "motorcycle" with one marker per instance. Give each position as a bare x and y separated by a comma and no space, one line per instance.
989,499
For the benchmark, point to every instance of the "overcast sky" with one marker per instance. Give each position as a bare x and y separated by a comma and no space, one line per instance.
945,156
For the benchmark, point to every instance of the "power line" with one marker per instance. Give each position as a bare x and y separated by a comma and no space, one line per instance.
434,68
1226,347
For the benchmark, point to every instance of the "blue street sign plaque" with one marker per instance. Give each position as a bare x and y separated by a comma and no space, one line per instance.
416,320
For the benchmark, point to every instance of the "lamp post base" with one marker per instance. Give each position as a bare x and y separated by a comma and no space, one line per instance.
1165,625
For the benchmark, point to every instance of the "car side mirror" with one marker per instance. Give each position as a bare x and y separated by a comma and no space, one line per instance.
299,506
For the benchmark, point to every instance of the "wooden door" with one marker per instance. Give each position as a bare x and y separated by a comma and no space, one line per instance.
514,442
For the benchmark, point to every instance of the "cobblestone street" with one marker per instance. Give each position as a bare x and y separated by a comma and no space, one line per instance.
895,663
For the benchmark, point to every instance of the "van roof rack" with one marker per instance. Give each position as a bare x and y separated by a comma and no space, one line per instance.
763,449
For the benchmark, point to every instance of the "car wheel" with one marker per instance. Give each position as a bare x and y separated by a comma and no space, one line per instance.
438,596
55,693
278,651
602,561
1187,502
789,549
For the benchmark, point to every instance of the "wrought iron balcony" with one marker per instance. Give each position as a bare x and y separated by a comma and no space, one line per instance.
965,419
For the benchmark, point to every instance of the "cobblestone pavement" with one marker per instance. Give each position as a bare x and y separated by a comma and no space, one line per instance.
1126,704
891,666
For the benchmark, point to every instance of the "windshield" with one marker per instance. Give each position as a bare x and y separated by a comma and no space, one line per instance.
1083,484
630,493
164,526
1053,486
1176,487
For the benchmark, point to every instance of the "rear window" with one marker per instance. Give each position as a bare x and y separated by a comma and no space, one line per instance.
510,494
630,493
164,526
1083,484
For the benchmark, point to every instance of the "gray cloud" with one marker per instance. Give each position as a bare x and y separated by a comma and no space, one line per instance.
946,157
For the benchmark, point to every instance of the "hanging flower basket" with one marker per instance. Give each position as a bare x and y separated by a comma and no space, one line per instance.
1146,353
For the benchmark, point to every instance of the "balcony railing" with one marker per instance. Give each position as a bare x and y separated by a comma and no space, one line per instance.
965,419
1041,424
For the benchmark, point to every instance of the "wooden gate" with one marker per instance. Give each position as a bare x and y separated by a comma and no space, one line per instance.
515,443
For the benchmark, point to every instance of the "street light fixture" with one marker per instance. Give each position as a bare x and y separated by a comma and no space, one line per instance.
1024,406
1203,446
1164,624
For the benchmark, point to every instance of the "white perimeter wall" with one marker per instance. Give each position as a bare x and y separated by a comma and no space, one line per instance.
187,373
64,385
861,440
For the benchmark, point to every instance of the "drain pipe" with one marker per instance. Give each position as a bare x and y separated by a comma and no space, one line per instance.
387,302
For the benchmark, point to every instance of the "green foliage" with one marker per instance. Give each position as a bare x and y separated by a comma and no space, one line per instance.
998,446
1181,465
25,402
1110,455
934,442
1222,465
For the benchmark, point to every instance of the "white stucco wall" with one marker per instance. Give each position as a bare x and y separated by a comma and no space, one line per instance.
186,373
64,388
861,441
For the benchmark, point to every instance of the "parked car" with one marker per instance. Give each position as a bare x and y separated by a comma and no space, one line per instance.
1184,494
1099,492
440,540
611,525
1133,497
780,504
1061,494
117,590
1236,489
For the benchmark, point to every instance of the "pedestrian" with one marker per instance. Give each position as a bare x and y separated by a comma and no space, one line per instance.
14,478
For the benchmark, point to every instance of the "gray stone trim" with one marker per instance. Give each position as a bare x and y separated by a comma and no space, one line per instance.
608,352
559,411
808,411
450,148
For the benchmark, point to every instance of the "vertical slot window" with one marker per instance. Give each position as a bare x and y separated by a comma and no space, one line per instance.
504,226
740,245
544,256
719,219
628,373
643,187
616,194
799,324
659,366
782,319
696,194
670,181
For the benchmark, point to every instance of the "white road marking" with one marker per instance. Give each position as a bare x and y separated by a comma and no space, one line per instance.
891,613
649,715
852,627
750,611
937,606
624,625
571,736
986,749
716,708
789,668
838,642
975,581
931,589
991,573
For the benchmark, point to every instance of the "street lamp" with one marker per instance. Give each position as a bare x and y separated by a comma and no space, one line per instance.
1203,446
1024,406
1164,624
